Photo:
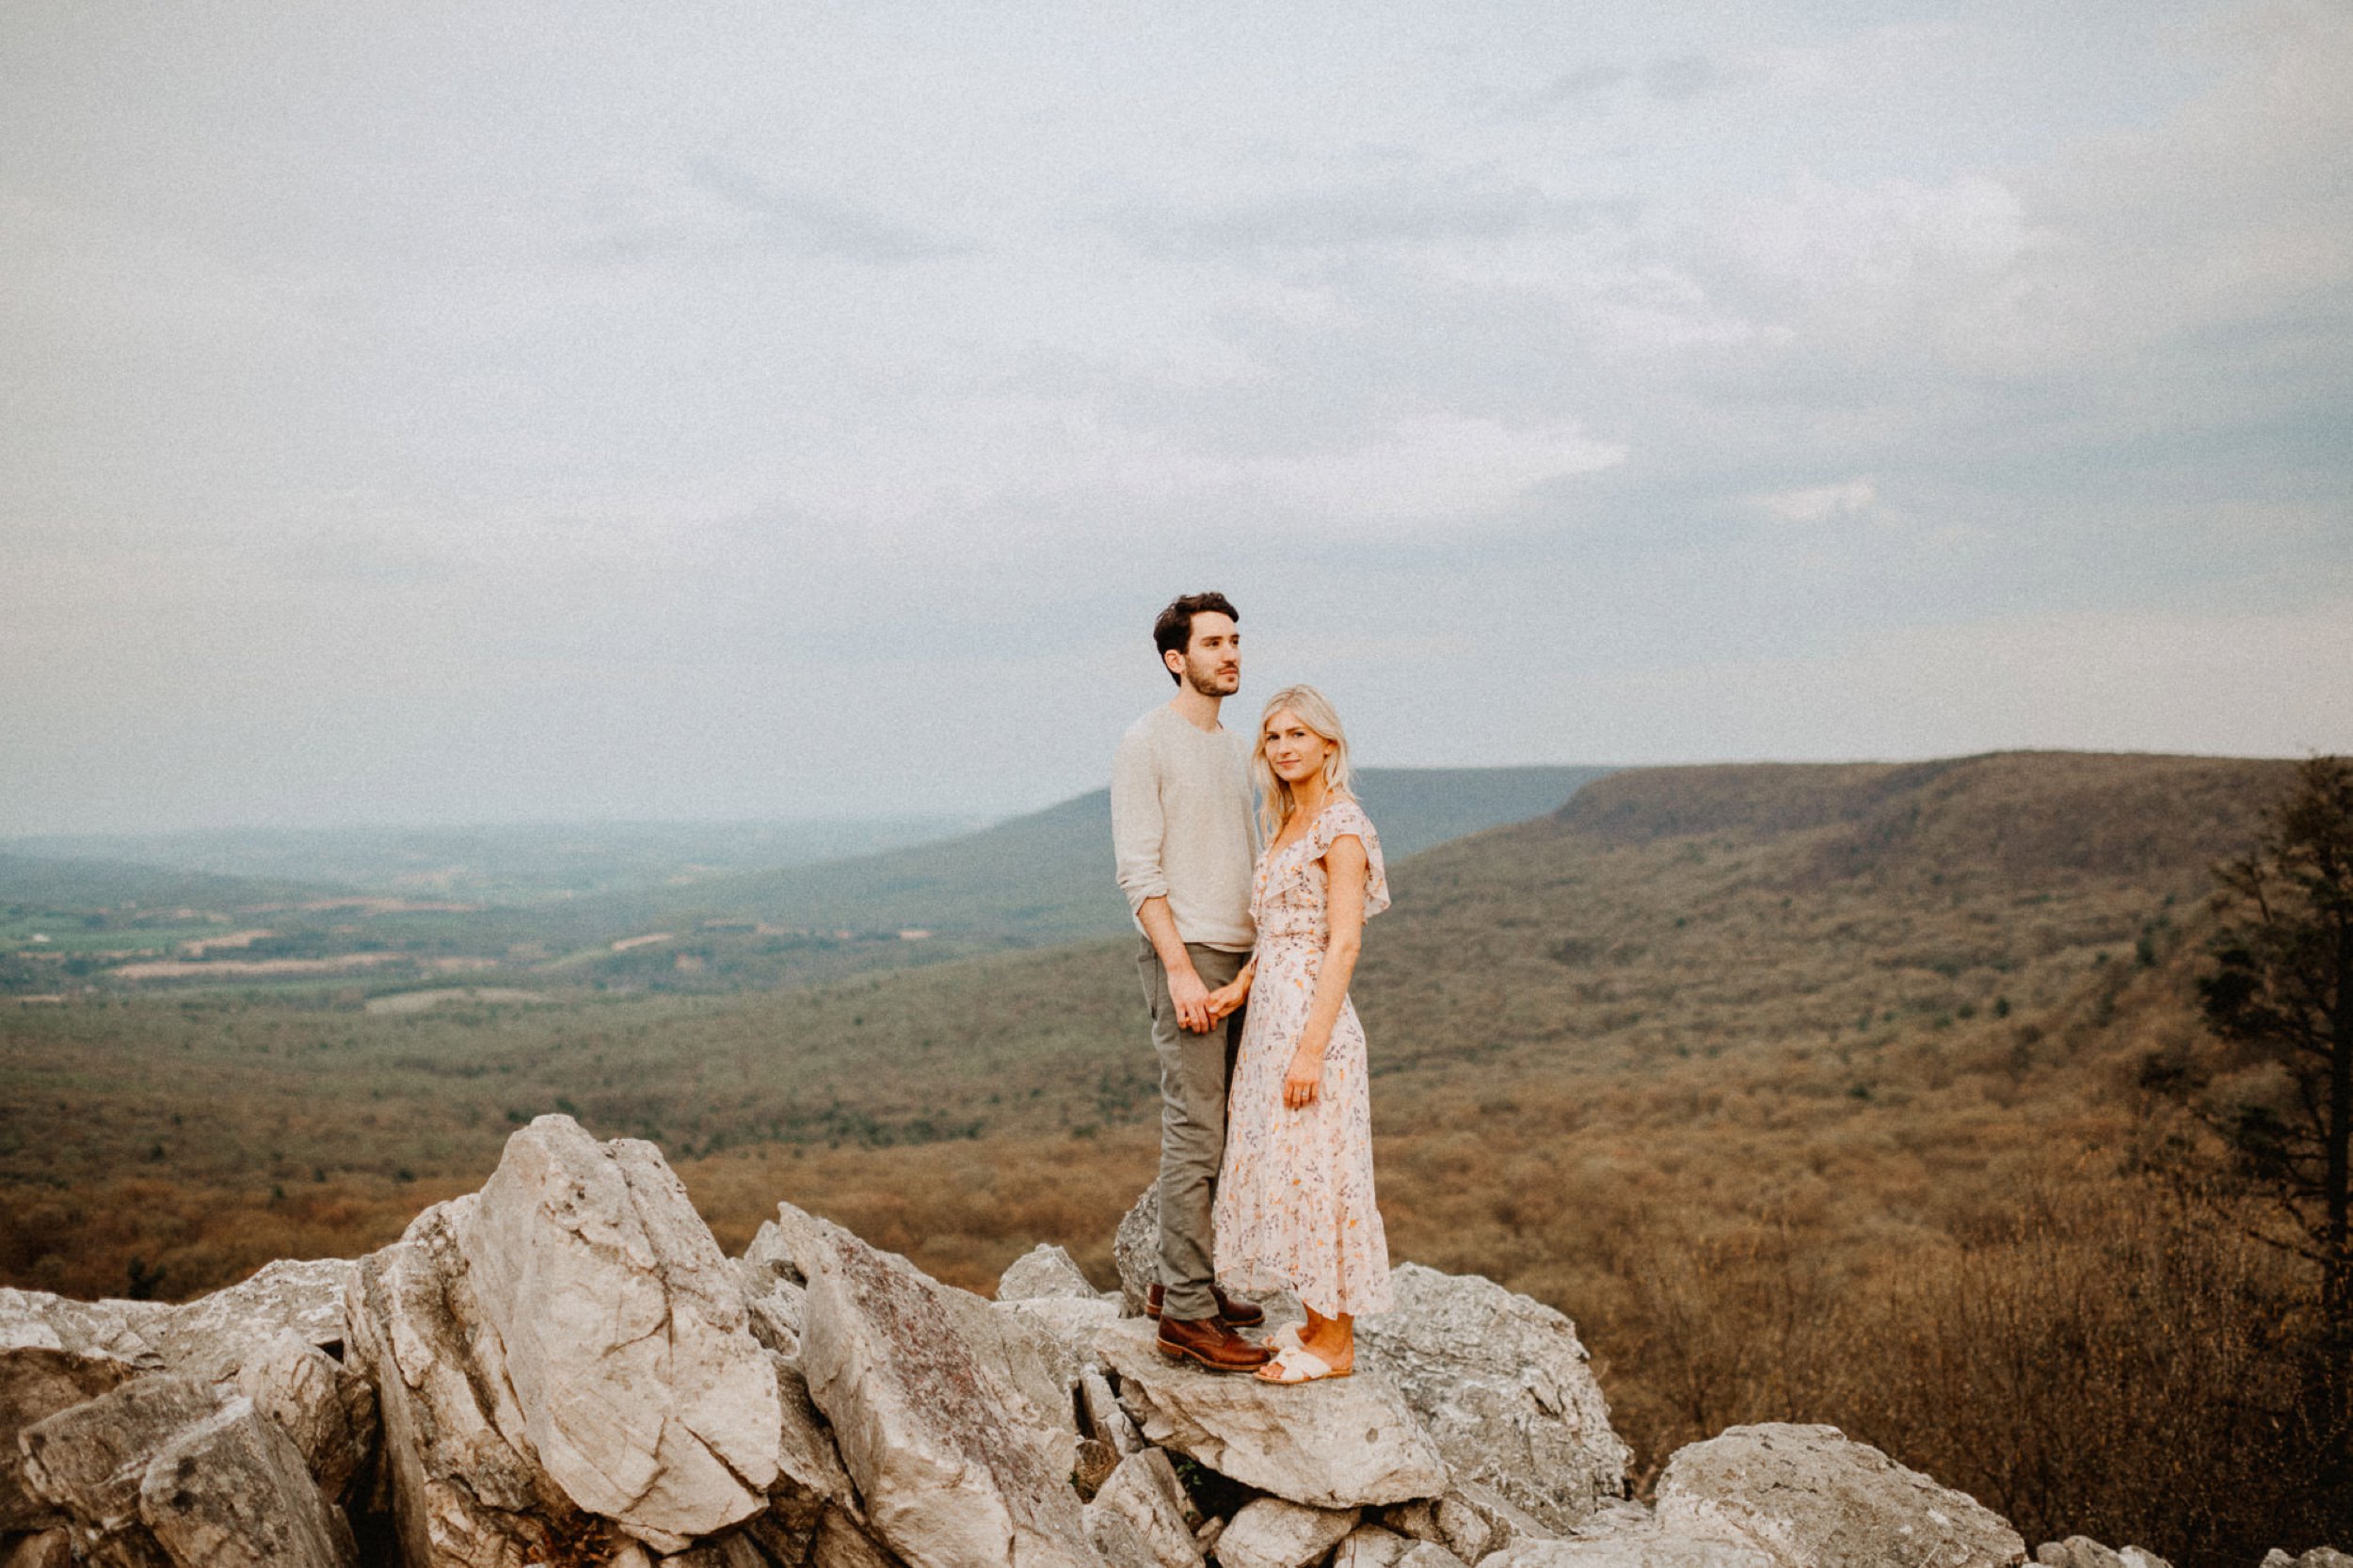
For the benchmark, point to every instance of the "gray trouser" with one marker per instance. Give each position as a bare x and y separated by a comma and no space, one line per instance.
1194,1072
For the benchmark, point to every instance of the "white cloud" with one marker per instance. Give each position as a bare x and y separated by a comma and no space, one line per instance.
1436,467
1821,502
2265,684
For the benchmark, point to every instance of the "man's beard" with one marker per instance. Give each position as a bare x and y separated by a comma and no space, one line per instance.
1208,684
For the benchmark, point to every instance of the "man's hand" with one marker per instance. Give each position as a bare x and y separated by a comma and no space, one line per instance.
1191,999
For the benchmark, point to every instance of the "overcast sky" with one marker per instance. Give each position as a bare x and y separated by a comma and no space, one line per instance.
433,412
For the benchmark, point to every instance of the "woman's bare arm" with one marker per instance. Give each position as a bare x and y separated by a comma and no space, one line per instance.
1344,876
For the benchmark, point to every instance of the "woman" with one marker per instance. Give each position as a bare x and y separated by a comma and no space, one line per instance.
1294,1198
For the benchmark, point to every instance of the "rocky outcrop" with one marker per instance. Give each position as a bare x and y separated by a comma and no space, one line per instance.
1136,1250
55,1354
1645,1544
37,1381
1272,1533
88,1461
1471,1521
1502,1382
563,1369
212,1336
168,1469
459,1481
952,1477
1810,1497
2081,1551
1145,1491
1045,1273
1338,1444
623,1336
325,1409
233,1492
1107,1419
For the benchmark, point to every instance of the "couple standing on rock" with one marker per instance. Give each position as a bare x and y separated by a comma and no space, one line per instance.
1266,1126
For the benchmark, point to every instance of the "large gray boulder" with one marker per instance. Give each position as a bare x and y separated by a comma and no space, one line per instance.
1811,1497
1470,1521
233,1492
458,1478
1114,1540
951,1475
1268,1532
1429,1554
37,1380
1633,1538
327,1409
1069,1322
1340,1443
2081,1551
1504,1385
624,1336
214,1334
1371,1546
37,1320
1107,1419
170,1470
55,1353
1145,1492
1043,1272
589,1283
1136,1250
88,1461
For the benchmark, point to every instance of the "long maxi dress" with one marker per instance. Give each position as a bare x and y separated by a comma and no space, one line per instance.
1294,1198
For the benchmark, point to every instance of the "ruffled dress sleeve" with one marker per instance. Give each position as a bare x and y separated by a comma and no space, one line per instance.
1339,820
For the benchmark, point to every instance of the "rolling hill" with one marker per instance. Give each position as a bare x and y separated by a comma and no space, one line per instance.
1046,877
42,882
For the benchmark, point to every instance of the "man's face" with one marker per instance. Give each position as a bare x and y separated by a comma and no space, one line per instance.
1211,662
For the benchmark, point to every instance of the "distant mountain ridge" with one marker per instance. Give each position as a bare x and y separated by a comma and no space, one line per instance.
1046,876
2020,813
33,881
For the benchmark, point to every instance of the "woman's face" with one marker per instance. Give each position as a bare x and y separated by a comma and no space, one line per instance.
1294,751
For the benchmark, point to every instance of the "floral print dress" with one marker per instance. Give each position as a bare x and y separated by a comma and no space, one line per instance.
1294,1198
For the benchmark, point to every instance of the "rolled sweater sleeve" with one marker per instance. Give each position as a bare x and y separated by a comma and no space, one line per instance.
1139,828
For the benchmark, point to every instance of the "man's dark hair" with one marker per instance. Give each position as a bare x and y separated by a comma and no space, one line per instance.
1172,632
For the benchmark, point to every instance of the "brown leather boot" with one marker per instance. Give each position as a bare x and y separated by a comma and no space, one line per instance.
1240,1313
1211,1342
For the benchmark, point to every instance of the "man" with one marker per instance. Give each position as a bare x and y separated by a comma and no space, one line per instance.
1187,842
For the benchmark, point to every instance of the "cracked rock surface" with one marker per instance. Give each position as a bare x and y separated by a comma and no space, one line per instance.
932,1433
1335,1444
1811,1497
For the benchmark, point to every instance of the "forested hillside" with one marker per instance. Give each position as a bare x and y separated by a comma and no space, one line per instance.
1808,1092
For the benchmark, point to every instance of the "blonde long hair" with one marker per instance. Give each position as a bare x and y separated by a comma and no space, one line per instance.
1314,710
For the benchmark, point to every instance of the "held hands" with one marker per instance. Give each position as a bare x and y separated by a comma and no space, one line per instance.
1226,999
1192,1000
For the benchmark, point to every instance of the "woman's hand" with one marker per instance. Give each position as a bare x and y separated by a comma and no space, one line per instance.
1306,1077
1226,999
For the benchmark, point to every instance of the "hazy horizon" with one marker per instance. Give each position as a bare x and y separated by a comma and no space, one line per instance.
951,823
585,413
